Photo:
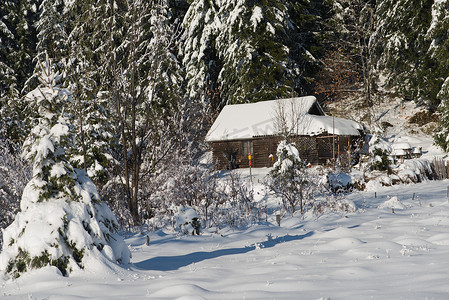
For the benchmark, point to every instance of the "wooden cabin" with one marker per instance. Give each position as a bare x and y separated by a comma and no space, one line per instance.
257,128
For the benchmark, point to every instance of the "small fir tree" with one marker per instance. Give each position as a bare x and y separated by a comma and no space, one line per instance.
288,178
62,222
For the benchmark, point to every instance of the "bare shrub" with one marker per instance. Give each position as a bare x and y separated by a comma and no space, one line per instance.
14,175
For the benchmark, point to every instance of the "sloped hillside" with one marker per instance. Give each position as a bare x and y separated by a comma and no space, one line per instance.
394,120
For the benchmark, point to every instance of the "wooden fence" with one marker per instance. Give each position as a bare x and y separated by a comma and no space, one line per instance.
441,168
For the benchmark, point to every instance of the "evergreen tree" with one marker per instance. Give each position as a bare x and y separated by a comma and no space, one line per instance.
307,40
8,22
288,178
438,35
245,51
17,46
8,76
401,46
26,38
252,45
90,106
200,54
62,220
141,78
51,30
441,135
438,74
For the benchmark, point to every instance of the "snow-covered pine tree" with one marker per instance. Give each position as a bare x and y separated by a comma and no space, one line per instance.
252,46
8,22
307,34
8,76
143,81
17,48
26,38
438,34
401,45
62,222
199,49
164,107
90,107
288,178
441,135
95,139
243,51
51,30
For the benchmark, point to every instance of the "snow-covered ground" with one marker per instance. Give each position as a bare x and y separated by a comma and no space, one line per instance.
395,246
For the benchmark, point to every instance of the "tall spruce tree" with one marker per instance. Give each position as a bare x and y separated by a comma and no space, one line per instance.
245,51
8,21
200,54
401,46
26,38
438,35
252,44
62,222
52,31
90,106
17,49
142,81
8,76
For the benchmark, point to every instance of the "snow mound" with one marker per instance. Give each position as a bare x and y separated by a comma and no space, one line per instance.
440,239
189,291
392,202
342,244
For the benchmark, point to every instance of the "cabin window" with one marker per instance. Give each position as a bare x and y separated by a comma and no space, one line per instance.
247,147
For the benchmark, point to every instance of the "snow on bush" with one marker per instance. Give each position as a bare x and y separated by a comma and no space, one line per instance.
237,202
187,220
62,221
220,198
381,171
332,203
411,171
178,184
416,170
339,182
14,175
377,142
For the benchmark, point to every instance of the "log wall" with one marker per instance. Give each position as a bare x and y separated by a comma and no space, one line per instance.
312,149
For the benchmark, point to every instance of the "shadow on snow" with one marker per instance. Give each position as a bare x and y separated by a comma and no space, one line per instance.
170,263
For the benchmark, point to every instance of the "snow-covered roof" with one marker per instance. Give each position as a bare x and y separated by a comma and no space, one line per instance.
245,121
416,150
401,146
398,152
